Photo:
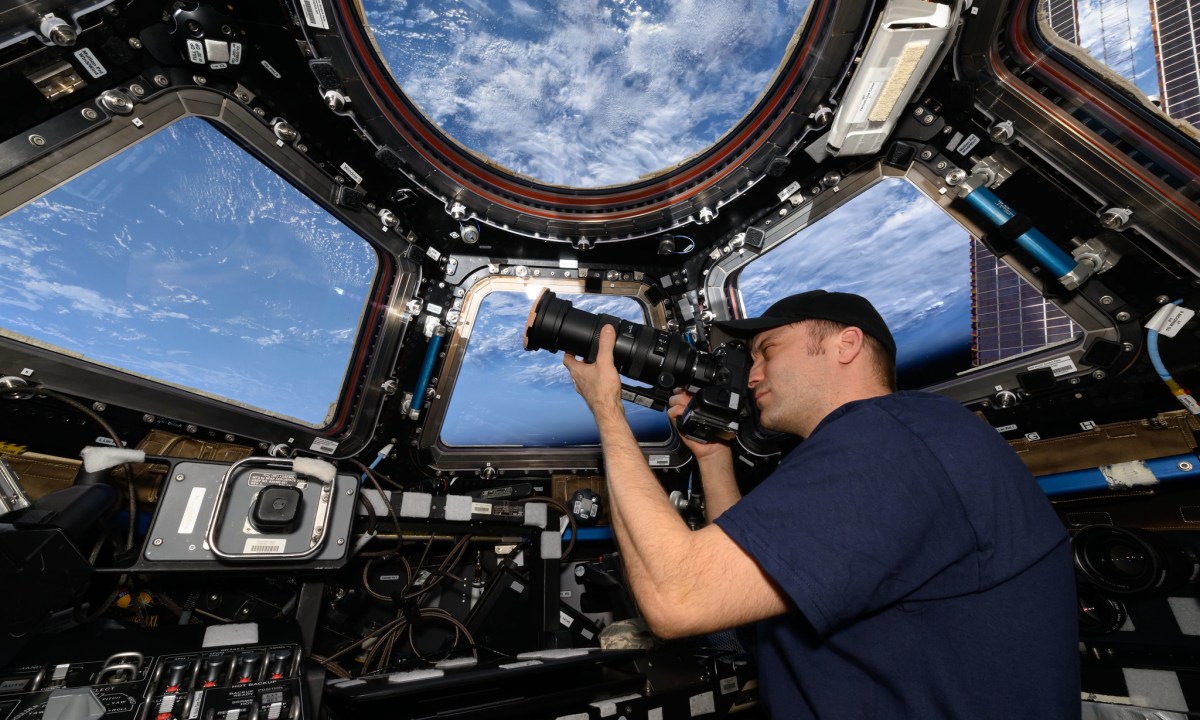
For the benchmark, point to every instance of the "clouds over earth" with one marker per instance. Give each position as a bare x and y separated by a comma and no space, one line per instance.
184,259
588,93
1119,34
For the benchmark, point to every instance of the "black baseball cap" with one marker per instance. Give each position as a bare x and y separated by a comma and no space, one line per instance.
844,308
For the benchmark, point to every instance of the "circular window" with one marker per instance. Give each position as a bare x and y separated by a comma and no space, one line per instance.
584,94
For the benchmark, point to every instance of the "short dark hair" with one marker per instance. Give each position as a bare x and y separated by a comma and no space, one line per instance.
885,366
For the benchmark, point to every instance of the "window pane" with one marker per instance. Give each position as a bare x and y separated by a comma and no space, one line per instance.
584,94
506,395
185,260
1151,43
898,249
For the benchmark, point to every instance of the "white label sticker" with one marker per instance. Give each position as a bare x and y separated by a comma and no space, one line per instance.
196,704
517,587
345,167
788,191
565,619
191,511
734,399
1190,403
1128,474
568,264
481,508
523,663
1088,425
728,685
323,445
195,50
433,254
434,309
1006,428
263,546
968,145
659,460
702,704
1170,319
314,14
219,66
1032,436
271,70
1058,366
235,53
105,441
90,62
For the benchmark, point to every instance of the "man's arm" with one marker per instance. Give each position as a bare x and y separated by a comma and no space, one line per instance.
686,583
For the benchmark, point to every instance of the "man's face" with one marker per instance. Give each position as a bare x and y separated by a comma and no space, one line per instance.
788,379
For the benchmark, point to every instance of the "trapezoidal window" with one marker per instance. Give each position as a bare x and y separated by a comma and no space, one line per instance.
185,260
950,304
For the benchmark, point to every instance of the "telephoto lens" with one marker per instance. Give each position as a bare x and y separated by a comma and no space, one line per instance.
642,353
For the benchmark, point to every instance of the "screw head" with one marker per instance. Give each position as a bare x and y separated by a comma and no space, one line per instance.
1185,466
341,541
229,437
147,418
157,542
162,80
199,79
179,477
135,43
89,114
99,406
192,429
1123,316
1099,374
1162,299
137,89
926,154
1106,300
37,140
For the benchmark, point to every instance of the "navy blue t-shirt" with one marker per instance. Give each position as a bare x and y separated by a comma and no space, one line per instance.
931,576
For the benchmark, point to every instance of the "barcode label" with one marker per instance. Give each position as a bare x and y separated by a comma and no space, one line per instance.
314,14
263,546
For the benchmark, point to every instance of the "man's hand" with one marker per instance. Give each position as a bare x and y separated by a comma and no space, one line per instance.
702,450
598,382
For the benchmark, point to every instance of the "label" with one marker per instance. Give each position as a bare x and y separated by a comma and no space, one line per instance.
564,594
523,663
90,62
734,399
10,449
271,70
1170,319
1128,474
433,254
102,440
1006,428
968,145
191,511
1190,403
565,620
1058,366
345,167
388,578
728,685
263,546
702,704
219,66
196,704
568,264
434,309
195,51
235,53
263,478
314,14
478,508
517,587
323,445
659,460
1088,425
788,191
13,685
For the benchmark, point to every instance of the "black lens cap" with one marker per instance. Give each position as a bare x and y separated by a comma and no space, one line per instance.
277,508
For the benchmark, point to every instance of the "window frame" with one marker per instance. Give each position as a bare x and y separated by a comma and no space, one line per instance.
444,457
171,406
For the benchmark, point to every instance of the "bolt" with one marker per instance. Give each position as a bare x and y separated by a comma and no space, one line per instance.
706,215
928,119
137,89
1185,466
1115,218
157,542
199,79
147,418
179,477
111,9
99,406
285,132
822,116
226,30
302,147
918,111
1106,300
37,140
349,492
1074,381
162,80
193,27
1099,374
956,176
1127,347
135,43
1123,316
926,154
1162,299
260,112
242,95
341,541
229,437
1001,132
942,165
89,114
831,179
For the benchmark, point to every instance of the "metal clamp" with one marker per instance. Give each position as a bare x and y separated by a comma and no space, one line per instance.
324,512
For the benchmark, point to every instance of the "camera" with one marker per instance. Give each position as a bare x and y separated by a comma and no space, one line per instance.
717,379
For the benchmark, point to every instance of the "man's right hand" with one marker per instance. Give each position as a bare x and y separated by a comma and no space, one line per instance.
702,450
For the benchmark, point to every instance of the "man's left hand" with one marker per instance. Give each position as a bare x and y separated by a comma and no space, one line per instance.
598,382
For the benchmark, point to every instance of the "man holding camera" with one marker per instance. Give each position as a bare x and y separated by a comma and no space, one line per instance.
900,562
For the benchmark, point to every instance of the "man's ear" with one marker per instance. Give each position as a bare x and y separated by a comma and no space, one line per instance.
850,344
